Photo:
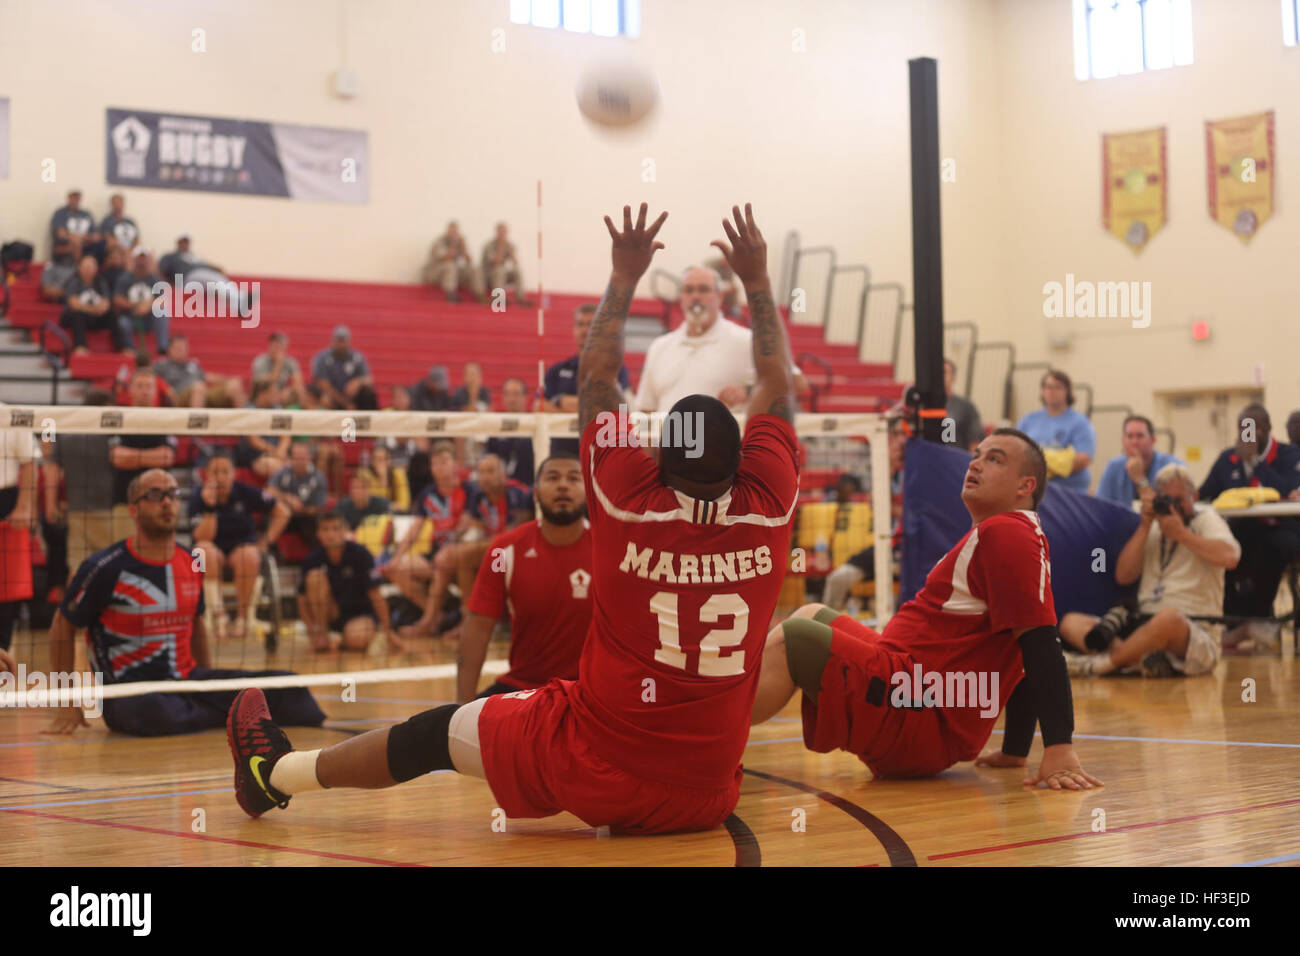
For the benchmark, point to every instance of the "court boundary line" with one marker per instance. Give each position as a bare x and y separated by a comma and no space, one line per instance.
323,854
748,852
895,847
1175,740
1109,830
119,788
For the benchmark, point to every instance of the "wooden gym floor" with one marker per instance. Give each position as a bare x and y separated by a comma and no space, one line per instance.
1193,776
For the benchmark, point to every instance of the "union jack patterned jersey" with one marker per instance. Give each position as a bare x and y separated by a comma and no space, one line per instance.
138,614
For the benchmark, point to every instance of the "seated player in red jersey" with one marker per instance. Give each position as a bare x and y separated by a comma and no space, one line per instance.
687,552
980,636
493,503
141,603
541,570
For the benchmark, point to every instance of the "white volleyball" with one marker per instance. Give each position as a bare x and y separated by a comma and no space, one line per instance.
617,92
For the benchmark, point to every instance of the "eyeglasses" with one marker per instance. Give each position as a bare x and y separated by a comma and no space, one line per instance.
701,289
157,496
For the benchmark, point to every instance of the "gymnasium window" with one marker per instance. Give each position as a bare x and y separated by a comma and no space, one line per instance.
602,18
1117,37
1291,22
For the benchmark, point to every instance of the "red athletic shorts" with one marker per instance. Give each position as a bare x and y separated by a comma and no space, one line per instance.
538,764
853,709
15,562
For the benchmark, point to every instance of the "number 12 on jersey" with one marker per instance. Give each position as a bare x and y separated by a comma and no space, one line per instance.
712,663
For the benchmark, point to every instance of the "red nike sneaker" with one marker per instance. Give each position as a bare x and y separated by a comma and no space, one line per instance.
256,743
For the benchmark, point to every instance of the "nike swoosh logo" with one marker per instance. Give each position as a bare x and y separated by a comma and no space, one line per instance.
254,766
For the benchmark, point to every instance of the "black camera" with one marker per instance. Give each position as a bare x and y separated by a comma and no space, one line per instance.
1117,622
1164,505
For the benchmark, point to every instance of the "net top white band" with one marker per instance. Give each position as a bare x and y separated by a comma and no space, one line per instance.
116,420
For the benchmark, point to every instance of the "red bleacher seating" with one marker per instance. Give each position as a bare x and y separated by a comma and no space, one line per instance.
404,329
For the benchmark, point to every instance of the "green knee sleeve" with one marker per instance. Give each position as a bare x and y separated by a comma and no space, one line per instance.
807,649
826,615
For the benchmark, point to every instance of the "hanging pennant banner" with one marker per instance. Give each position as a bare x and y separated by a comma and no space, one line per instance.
1239,164
1134,183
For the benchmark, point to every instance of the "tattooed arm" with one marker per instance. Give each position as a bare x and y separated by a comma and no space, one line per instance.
773,392
602,353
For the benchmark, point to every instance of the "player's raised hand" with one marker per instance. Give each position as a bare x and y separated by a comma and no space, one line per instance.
1061,770
635,246
747,254
996,758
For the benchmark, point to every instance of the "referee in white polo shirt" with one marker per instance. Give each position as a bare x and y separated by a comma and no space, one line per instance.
705,355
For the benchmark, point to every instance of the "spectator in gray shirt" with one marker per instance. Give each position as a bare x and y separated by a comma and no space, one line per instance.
188,386
191,269
281,369
343,374
133,299
118,229
72,233
965,416
78,461
88,307
300,486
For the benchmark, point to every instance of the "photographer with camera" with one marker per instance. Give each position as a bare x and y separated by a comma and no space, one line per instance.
1181,550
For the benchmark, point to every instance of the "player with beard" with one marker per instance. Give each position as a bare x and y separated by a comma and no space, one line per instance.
541,571
649,738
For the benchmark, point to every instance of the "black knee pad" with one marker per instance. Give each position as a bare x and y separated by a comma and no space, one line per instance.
807,649
421,745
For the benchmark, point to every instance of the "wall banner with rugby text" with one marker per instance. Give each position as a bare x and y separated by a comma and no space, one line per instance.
249,157
1134,184
1240,162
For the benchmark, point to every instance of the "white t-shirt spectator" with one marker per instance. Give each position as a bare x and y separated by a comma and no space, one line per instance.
677,365
1173,577
18,446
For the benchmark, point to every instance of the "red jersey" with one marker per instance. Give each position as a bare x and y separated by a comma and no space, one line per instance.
548,592
684,590
443,509
996,580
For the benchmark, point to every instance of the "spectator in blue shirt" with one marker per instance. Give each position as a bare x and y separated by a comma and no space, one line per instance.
1067,437
561,380
1136,468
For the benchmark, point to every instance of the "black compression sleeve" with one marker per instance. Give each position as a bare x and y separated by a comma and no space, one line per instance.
1048,684
1021,721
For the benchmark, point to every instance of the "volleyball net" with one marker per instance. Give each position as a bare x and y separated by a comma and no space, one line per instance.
372,467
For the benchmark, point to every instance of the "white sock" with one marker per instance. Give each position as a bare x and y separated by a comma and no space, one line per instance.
295,772
212,600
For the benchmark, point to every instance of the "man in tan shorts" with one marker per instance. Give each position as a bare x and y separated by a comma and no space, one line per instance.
1181,551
